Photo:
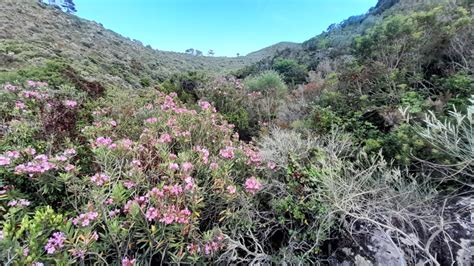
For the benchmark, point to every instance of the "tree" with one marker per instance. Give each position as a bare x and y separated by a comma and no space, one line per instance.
210,53
190,51
69,6
198,53
238,54
293,73
65,5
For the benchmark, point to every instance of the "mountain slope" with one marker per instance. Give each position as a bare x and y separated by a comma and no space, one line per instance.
33,33
273,49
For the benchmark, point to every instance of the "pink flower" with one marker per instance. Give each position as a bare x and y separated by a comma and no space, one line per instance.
10,87
113,123
187,166
128,262
165,138
176,190
4,160
227,152
70,152
172,156
60,158
109,201
156,193
129,184
151,214
114,213
189,183
70,103
95,236
84,219
55,243
136,163
13,154
39,165
20,105
69,168
231,189
19,203
103,141
271,165
173,166
252,185
213,166
26,251
151,120
204,105
100,179
30,151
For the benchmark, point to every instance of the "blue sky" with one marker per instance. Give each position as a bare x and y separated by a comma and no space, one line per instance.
226,26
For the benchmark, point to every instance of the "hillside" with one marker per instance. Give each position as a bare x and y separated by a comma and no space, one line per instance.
32,33
353,148
273,49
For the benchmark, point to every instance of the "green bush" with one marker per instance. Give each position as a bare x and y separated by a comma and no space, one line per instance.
267,83
292,72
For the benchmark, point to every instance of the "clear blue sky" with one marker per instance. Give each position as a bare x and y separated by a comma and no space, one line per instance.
226,26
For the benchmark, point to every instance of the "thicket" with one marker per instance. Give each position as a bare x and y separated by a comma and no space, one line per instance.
265,167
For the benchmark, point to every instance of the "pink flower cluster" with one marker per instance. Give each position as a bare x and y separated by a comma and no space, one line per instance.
104,142
4,160
187,167
39,165
204,105
151,120
141,201
173,166
253,157
70,103
34,95
271,165
227,152
168,103
100,179
9,87
36,84
165,138
19,203
84,219
55,243
173,214
252,185
20,105
7,158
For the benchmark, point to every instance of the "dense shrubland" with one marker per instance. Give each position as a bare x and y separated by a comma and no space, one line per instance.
274,164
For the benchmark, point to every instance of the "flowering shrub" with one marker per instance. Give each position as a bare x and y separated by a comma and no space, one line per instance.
163,183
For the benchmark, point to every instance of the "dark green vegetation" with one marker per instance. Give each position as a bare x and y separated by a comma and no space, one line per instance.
354,147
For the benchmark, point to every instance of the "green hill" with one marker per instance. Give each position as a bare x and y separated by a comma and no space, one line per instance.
32,34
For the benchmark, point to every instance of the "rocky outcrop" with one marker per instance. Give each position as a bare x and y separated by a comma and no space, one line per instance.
449,243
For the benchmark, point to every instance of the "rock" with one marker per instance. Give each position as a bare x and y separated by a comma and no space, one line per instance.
369,245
